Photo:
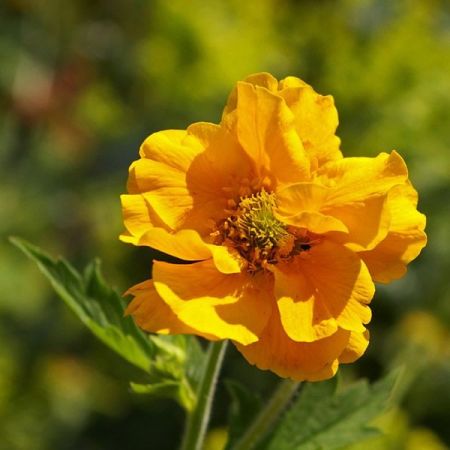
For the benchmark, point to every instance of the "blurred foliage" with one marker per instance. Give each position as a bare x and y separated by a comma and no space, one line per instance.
82,83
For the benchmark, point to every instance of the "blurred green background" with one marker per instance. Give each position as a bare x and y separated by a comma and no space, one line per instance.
83,82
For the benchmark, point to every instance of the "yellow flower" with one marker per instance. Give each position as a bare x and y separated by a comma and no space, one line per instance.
284,235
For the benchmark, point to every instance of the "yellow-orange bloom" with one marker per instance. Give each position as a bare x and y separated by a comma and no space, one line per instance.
284,235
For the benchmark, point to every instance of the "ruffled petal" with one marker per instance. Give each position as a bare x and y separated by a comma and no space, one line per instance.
299,197
367,222
173,148
184,175
300,204
341,281
262,79
316,119
223,166
184,244
356,346
233,306
315,116
138,215
151,313
405,239
318,223
304,316
311,361
166,190
292,82
266,132
357,194
361,224
357,179
139,219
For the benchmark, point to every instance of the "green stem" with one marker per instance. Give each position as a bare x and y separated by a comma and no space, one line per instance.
268,415
198,418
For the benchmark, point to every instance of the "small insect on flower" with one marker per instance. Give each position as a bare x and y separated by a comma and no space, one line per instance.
285,235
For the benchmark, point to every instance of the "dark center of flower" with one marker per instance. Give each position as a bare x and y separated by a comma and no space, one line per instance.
259,237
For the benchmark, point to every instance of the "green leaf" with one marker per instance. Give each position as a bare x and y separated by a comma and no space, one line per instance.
98,306
172,363
179,391
323,420
244,407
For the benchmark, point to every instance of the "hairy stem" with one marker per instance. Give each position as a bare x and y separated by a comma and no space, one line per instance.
198,418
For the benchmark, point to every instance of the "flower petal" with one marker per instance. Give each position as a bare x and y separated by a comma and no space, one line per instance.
300,204
263,79
356,346
317,223
405,239
172,148
168,153
266,132
233,306
361,224
187,245
151,313
367,222
312,361
226,259
299,197
315,116
358,179
292,82
341,281
166,191
304,316
183,244
138,215
223,164
316,119
357,194
182,175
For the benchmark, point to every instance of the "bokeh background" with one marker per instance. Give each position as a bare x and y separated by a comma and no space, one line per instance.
83,82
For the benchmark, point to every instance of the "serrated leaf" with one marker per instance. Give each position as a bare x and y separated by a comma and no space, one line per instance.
319,420
167,360
98,306
244,407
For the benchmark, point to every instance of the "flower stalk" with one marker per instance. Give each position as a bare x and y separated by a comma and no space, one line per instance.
266,418
197,420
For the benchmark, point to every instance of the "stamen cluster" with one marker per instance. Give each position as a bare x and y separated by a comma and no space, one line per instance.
259,237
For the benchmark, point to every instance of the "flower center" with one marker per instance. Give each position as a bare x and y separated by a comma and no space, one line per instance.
257,221
259,237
